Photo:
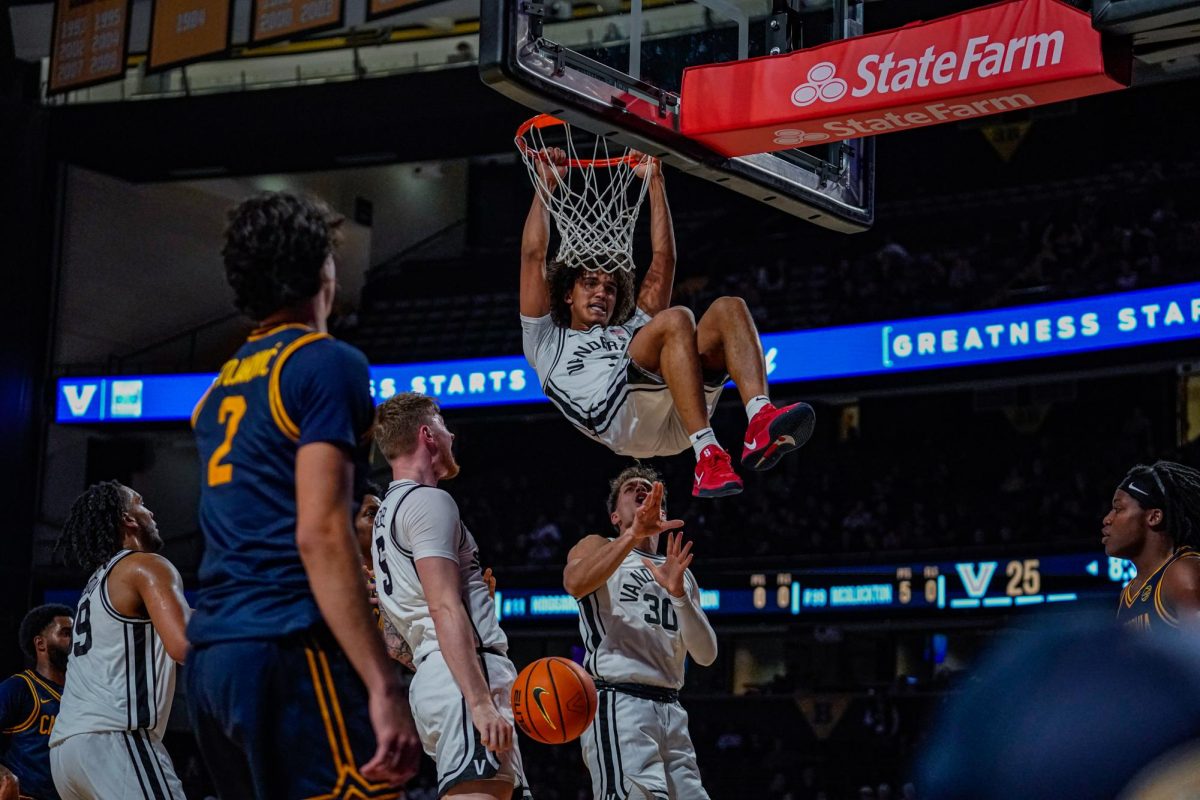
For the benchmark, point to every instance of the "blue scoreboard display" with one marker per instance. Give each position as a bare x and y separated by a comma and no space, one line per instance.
940,588
1128,319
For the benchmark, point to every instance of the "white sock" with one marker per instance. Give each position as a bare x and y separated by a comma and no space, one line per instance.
702,439
755,405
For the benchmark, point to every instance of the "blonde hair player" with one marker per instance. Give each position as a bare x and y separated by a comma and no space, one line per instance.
641,377
432,590
640,618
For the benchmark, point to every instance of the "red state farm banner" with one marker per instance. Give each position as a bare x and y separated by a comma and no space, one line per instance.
1002,57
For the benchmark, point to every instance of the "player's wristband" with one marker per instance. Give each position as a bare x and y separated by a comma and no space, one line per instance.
679,602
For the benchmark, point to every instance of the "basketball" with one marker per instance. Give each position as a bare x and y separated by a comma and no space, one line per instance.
553,700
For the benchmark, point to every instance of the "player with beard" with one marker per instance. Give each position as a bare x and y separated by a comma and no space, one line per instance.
129,637
29,704
432,589
1155,523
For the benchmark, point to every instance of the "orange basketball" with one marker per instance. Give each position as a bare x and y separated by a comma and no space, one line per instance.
554,700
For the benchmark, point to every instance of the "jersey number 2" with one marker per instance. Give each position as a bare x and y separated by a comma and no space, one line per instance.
230,414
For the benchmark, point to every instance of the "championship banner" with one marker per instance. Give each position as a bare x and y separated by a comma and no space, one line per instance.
283,19
1012,55
183,31
381,8
89,43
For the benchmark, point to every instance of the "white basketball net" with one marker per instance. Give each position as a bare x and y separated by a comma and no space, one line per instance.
595,204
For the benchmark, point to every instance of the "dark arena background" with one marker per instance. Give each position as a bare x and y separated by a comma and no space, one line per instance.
1011,331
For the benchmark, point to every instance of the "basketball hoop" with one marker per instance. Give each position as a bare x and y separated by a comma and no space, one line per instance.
593,206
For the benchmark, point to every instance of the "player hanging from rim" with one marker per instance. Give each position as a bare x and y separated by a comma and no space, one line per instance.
644,378
128,638
640,617
1155,523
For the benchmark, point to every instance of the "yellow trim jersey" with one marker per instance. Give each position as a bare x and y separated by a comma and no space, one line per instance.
1144,609
283,389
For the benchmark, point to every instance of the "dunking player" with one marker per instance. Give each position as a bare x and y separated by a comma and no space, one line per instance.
1155,523
432,589
29,704
645,379
281,582
128,638
640,617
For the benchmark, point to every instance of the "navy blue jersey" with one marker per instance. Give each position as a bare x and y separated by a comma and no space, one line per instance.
1145,610
285,388
28,708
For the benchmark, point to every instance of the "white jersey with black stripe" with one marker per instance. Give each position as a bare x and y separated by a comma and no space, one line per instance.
583,373
119,676
414,522
630,629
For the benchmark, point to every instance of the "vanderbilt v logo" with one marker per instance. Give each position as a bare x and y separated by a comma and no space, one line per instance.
480,766
976,577
79,397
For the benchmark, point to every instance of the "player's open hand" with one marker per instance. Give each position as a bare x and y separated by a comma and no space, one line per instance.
669,574
650,519
495,733
552,166
398,746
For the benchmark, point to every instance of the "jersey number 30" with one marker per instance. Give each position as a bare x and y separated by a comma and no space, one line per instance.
230,414
661,613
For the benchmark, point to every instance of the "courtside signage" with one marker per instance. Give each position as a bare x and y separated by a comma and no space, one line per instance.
1004,57
1105,322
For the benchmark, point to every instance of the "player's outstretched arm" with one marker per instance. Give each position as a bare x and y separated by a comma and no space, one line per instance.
324,475
698,635
594,559
655,294
456,637
160,590
1181,591
535,238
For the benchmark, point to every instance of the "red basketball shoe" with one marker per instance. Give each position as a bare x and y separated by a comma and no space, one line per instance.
714,474
775,431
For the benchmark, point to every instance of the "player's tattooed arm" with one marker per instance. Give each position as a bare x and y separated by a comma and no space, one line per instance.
397,647
9,786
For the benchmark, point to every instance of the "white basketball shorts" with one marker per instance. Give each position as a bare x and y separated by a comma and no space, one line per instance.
114,764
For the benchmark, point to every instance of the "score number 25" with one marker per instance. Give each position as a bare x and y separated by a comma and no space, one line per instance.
1024,577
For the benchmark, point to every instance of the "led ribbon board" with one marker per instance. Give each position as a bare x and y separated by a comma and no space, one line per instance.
1150,316
1007,56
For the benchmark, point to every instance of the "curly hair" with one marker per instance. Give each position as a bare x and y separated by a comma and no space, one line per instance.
275,247
561,279
92,533
34,624
398,419
639,470
1180,487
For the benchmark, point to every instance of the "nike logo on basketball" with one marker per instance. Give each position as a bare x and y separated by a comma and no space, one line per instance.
538,691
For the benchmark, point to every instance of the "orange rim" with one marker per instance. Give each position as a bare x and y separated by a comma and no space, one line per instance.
547,121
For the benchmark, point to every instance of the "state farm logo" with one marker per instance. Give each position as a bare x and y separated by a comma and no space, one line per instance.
794,137
977,59
821,85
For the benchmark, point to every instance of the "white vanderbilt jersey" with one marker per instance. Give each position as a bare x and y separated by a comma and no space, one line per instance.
119,676
417,521
630,629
